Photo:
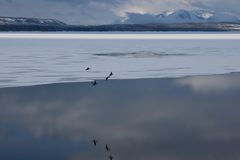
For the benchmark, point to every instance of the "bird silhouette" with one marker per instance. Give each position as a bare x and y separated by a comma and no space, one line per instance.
110,74
94,83
94,142
107,148
110,157
87,68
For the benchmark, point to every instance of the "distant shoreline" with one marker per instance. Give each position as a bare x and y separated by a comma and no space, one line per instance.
122,35
206,27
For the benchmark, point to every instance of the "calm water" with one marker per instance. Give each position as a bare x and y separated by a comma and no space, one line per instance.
169,119
25,62
188,118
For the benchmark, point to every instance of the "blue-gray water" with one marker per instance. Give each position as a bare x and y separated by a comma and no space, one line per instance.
25,62
191,118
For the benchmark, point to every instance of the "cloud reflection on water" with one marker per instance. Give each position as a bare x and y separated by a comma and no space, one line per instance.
140,119
213,83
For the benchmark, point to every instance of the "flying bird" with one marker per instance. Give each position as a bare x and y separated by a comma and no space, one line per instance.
107,148
94,142
110,74
110,157
94,83
87,68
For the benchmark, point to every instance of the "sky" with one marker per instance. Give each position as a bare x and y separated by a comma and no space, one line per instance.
93,12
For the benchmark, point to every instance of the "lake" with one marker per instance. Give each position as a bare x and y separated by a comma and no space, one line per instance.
171,96
195,117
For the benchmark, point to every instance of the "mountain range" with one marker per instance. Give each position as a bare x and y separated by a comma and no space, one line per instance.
30,21
182,16
179,20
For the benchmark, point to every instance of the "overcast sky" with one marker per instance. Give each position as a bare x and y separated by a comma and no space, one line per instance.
105,11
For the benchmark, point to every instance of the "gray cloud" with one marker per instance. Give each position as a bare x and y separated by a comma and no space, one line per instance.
218,5
91,12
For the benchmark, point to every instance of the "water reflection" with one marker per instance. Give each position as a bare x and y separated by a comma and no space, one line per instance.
170,119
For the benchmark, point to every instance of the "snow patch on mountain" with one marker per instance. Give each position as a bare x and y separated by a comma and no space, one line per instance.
182,16
29,21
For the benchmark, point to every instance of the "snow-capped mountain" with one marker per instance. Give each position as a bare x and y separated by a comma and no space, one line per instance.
29,21
180,20
182,16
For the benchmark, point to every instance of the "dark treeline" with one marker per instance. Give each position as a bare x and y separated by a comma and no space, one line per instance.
126,27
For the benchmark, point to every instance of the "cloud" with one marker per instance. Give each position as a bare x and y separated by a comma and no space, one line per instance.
218,5
72,12
150,6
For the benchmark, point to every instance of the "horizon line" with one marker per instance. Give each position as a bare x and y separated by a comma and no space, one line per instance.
119,36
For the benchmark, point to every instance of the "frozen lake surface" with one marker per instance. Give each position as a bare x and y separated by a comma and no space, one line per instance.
29,61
